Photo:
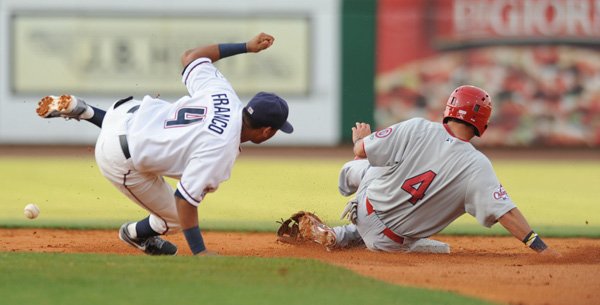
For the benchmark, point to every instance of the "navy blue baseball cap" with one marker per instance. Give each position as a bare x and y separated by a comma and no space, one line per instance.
268,109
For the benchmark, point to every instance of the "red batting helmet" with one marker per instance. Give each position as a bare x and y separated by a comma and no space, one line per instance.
471,105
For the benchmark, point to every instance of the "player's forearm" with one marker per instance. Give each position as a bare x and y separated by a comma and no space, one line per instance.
188,220
517,225
188,214
360,131
217,51
211,52
359,149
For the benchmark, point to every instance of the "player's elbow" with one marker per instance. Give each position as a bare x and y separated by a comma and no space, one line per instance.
187,57
359,149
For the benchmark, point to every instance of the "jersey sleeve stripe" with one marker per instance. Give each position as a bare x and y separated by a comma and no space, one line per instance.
186,195
191,66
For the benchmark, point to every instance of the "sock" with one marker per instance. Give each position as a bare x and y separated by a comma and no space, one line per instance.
143,229
131,230
93,115
88,113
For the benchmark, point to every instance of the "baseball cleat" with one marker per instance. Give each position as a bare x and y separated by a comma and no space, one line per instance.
151,245
66,106
426,245
312,228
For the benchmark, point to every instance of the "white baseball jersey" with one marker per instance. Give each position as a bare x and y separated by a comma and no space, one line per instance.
195,139
433,178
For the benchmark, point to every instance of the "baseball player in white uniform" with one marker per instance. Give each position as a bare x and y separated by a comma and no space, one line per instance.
195,140
412,179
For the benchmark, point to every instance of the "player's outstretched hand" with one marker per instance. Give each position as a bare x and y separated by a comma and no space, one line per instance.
360,131
259,42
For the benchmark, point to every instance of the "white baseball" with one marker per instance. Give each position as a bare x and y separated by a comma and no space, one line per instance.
31,211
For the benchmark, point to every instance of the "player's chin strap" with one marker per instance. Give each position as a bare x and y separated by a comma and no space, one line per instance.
533,241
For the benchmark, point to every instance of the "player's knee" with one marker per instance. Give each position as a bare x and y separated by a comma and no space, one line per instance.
158,225
351,175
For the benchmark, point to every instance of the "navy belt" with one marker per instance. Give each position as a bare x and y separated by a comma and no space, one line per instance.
124,146
123,138
122,101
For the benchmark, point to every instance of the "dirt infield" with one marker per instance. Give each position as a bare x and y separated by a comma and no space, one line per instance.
494,268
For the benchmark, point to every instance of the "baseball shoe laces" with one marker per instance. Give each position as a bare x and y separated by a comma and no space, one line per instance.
152,245
66,106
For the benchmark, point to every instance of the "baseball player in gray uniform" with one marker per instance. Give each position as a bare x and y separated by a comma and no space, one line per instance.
195,140
412,179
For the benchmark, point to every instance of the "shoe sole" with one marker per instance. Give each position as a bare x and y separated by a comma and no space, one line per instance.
50,105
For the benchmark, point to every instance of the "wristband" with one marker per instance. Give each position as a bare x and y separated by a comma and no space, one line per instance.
533,241
538,244
529,237
230,49
194,239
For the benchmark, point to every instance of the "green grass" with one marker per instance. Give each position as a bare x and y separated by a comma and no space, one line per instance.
35,278
559,198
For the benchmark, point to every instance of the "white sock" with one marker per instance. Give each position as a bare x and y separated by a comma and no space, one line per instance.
131,230
88,113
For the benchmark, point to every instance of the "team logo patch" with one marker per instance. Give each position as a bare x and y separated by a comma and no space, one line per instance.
384,133
500,193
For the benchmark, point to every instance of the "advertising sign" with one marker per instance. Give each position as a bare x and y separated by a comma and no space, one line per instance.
538,59
129,55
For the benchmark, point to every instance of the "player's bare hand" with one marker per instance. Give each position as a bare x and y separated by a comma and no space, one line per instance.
360,131
259,42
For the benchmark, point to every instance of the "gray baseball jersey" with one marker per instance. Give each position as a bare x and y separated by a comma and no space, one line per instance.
432,179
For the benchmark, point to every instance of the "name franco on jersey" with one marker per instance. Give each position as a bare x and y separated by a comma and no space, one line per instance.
221,118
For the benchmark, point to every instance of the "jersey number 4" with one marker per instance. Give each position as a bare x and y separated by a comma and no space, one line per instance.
417,185
186,116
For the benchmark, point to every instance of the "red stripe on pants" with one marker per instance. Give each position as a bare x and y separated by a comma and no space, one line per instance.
387,231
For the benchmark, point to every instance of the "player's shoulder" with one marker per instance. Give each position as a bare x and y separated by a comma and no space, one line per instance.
420,126
198,63
413,123
414,127
417,121
480,160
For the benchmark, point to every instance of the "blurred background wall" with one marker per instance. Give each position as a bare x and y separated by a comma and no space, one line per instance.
335,61
106,50
538,59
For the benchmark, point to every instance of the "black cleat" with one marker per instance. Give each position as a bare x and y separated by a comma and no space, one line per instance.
152,245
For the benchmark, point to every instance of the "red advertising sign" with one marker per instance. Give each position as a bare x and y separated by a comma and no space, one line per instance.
538,59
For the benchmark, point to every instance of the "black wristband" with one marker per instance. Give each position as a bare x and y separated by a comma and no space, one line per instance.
538,244
533,241
528,236
194,239
230,49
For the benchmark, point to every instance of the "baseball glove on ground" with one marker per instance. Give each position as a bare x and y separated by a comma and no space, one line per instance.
289,229
305,226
